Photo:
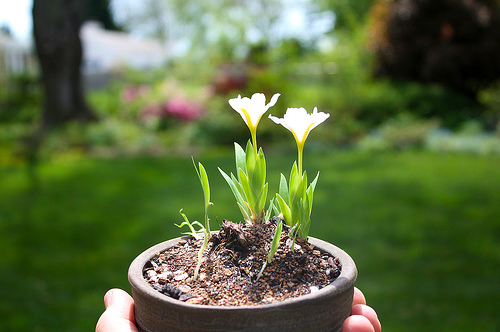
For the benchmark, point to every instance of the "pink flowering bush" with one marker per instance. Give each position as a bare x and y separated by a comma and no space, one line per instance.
178,108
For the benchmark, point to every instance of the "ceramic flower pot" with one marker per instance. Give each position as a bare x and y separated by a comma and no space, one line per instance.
324,310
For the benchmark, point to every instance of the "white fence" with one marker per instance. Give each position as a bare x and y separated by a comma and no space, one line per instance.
15,58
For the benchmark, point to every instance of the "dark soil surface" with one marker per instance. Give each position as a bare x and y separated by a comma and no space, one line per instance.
231,263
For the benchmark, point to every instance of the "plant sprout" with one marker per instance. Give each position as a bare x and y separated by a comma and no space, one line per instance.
274,246
249,186
295,198
192,231
202,175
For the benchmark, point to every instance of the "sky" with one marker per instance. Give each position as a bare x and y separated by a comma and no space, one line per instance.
17,16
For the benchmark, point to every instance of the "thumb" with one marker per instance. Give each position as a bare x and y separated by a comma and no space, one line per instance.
119,313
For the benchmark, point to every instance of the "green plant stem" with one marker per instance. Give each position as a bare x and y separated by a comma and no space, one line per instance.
300,148
254,141
200,254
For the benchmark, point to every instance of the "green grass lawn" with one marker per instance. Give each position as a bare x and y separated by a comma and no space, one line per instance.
423,228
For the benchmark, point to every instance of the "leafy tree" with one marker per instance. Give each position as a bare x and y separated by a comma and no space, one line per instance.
217,28
56,26
99,10
452,42
349,14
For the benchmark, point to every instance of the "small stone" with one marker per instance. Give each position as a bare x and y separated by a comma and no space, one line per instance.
296,246
202,276
166,275
331,262
181,277
314,289
227,272
151,273
317,253
195,300
185,297
184,288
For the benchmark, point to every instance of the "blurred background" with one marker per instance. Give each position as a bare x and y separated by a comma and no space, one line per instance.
103,103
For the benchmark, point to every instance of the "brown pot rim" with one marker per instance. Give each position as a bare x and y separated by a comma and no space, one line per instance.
346,279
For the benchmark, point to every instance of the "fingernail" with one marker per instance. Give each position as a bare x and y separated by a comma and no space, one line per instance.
108,298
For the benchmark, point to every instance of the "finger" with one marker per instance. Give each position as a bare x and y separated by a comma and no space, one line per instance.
119,313
369,313
357,324
358,297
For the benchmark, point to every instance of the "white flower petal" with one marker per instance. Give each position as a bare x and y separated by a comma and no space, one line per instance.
273,100
251,110
300,123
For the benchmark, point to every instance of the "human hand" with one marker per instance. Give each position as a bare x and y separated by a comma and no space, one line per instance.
119,313
363,318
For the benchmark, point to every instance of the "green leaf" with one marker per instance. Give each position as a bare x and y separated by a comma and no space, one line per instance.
294,180
285,210
245,211
313,184
276,209
270,209
202,175
233,185
276,241
239,188
259,175
240,156
283,189
193,232
304,220
250,159
245,184
310,192
261,201
205,184
297,197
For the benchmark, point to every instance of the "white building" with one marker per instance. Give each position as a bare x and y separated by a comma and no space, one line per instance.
16,57
105,51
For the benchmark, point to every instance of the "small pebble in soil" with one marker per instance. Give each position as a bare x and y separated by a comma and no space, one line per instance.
180,276
313,289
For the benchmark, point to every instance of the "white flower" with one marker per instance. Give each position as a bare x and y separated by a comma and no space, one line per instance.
251,110
300,123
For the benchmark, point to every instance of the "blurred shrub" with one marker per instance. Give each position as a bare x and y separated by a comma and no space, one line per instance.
401,132
406,131
20,99
470,138
382,99
490,98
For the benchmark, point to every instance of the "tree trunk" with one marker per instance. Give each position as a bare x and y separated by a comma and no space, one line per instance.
56,25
